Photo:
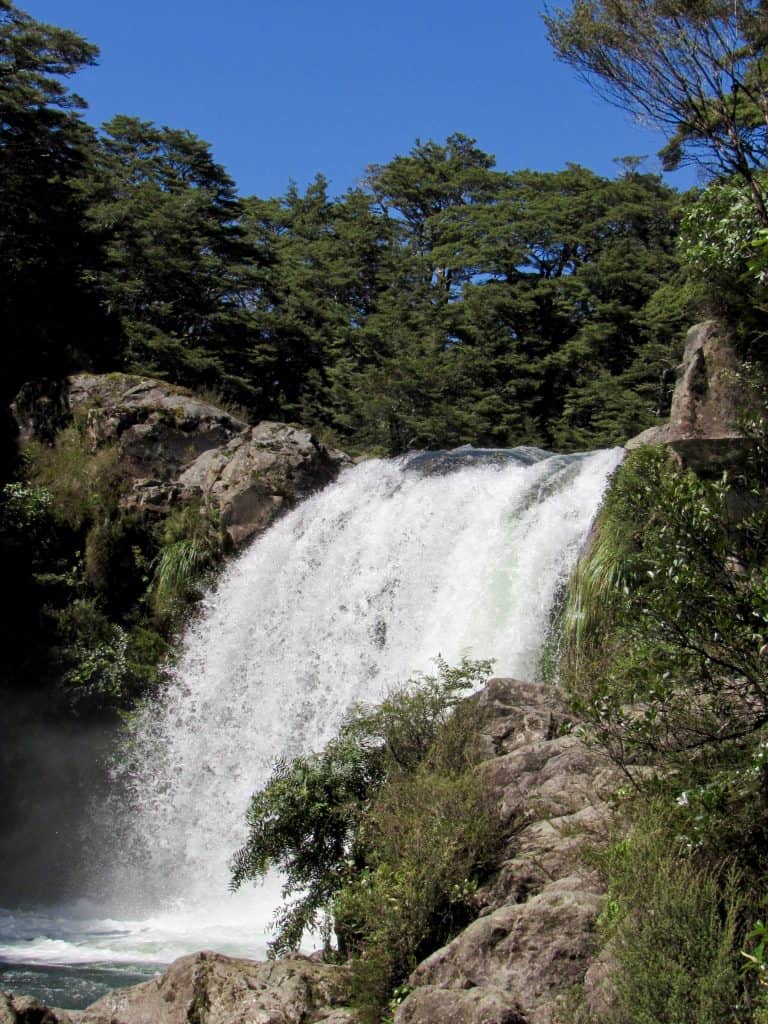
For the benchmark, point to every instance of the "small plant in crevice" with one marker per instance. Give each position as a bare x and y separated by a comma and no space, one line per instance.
192,544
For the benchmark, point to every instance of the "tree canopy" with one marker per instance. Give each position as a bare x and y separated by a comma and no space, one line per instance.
45,146
443,302
695,69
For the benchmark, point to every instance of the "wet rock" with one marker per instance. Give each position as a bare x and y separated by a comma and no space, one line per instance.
208,988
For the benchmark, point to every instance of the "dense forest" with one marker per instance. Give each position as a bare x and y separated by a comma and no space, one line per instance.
443,302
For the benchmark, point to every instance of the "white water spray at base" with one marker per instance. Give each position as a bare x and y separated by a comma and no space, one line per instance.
357,589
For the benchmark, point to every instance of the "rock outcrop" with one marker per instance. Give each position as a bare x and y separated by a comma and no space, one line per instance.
207,988
708,403
535,937
173,447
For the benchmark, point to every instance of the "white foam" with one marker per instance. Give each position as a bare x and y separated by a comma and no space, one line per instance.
359,587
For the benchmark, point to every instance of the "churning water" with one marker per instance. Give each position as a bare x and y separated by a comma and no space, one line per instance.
459,554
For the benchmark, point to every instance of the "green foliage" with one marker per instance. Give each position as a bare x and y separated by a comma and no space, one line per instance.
428,836
25,511
99,589
192,544
673,930
305,822
44,151
757,966
695,71
678,615
388,816
172,269
719,230
85,484
664,654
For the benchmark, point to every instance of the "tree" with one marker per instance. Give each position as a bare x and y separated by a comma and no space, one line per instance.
308,819
322,261
176,271
695,69
556,319
48,317
430,192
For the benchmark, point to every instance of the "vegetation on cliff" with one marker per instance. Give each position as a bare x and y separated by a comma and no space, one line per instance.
664,629
664,648
98,591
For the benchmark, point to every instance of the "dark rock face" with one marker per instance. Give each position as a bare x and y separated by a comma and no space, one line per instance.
174,447
707,404
41,409
25,1010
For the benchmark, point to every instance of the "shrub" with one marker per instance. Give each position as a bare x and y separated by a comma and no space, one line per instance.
673,928
385,831
191,545
668,615
100,665
428,837
85,485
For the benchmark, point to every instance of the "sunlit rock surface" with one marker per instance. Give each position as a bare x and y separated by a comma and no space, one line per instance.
174,447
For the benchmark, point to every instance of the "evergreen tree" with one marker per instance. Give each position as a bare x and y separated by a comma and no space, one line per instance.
176,272
48,318
695,69
324,261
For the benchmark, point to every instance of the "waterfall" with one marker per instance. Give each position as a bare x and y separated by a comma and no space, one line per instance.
357,589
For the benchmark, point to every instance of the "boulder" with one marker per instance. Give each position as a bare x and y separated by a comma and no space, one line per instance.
470,1006
253,477
708,403
26,1010
208,988
160,429
174,447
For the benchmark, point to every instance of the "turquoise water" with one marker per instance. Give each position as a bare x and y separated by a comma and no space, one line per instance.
71,987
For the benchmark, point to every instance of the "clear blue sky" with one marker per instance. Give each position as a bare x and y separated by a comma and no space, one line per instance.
285,88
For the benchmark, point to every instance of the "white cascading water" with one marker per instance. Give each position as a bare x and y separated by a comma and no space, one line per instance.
361,586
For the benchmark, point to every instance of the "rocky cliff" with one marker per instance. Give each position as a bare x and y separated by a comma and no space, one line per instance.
710,402
173,447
